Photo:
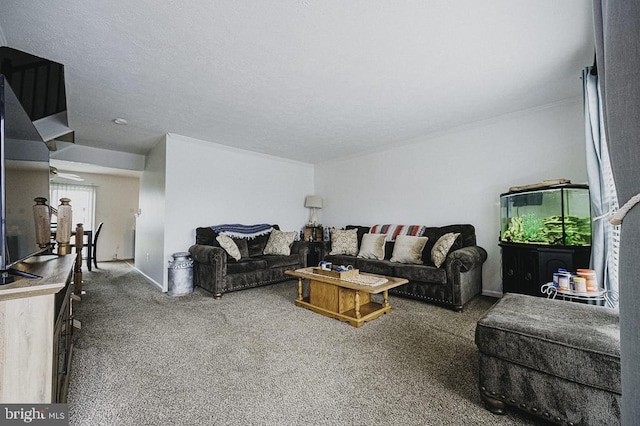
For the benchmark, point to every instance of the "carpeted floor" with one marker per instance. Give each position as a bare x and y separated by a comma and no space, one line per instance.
253,357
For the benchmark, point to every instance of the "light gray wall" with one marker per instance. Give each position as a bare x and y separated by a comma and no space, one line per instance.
457,177
150,225
117,200
453,177
3,39
190,183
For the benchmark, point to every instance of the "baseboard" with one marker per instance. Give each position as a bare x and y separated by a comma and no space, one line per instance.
492,293
154,282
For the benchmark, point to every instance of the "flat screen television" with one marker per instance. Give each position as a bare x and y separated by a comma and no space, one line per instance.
24,175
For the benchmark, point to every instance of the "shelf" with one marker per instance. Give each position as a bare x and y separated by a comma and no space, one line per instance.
610,297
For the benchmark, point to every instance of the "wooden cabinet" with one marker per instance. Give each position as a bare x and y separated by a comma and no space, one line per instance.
35,332
62,343
316,253
525,267
313,233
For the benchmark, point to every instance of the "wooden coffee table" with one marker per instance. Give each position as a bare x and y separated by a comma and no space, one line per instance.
335,297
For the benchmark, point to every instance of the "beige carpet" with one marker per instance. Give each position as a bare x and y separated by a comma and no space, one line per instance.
253,357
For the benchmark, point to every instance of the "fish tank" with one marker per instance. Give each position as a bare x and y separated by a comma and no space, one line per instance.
558,215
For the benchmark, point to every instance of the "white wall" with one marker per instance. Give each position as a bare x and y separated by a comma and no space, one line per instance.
457,176
150,225
453,177
208,184
116,203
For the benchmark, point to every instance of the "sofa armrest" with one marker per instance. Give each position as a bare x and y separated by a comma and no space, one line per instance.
301,248
207,254
209,267
467,258
464,274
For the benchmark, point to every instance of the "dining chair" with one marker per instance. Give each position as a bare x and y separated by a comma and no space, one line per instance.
95,244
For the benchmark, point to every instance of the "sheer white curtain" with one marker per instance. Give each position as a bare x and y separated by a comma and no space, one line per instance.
83,200
606,237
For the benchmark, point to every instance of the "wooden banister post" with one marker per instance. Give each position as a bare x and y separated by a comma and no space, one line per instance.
63,229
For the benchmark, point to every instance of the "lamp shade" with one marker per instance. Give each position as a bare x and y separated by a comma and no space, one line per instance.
313,201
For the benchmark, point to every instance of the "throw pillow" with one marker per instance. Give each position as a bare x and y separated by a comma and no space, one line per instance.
280,243
408,249
441,248
229,246
344,241
372,246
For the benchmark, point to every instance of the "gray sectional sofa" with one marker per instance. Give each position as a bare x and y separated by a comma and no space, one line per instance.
218,273
454,283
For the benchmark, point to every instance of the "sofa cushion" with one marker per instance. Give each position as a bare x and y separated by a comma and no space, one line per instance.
206,236
388,249
408,249
467,238
280,261
361,230
279,243
382,267
421,273
229,246
242,246
344,242
442,246
372,246
578,342
256,245
248,264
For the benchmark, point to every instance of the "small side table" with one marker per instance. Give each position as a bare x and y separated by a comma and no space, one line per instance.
610,297
316,253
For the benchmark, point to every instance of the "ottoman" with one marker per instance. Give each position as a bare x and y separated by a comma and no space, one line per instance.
555,359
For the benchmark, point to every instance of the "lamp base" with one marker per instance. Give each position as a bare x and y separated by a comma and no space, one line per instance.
313,218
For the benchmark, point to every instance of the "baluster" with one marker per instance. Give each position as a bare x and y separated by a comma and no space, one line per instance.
77,277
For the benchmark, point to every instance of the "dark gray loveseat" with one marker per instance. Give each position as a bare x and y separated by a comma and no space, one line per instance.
453,284
217,272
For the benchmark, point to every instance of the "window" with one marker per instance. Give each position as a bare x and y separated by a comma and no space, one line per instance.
83,201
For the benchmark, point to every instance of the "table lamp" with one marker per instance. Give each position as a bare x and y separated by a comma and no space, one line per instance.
313,202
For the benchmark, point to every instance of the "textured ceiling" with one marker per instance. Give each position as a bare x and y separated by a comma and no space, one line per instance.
301,79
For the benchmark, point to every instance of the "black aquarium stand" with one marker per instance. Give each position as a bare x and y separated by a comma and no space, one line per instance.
526,267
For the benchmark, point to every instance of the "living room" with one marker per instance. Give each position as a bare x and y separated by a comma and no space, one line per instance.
452,172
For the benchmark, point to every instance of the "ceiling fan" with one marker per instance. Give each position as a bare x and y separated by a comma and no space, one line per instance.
54,171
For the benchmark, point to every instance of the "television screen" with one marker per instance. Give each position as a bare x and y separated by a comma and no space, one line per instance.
24,176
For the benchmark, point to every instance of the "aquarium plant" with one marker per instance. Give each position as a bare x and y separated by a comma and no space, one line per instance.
532,229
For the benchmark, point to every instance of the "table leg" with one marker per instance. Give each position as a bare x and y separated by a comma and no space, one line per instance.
299,289
385,297
357,303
